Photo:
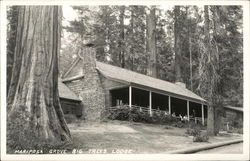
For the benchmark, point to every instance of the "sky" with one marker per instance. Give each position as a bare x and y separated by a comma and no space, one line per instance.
69,14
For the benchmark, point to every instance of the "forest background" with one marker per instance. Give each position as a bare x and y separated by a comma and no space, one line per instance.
201,46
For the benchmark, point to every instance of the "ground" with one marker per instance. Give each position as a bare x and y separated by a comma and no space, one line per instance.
108,137
230,149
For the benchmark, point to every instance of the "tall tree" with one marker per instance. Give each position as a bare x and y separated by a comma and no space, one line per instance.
12,15
209,76
34,115
122,36
177,44
151,43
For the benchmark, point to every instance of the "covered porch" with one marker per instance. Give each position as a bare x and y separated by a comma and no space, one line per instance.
151,100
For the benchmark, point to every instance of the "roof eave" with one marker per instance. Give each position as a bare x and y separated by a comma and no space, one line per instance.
202,101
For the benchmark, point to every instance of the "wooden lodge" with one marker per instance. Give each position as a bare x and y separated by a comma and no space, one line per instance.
232,116
100,86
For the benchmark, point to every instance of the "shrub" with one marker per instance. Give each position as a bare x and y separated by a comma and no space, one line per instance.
193,132
193,129
178,124
23,134
70,118
135,115
121,113
201,138
235,130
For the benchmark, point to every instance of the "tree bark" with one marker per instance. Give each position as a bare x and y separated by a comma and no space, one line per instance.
219,103
11,41
210,119
121,42
132,33
190,51
151,43
34,116
177,45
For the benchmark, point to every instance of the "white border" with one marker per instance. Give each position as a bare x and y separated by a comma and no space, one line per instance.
246,28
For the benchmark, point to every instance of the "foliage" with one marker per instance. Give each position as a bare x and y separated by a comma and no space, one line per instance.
18,128
70,118
121,113
104,26
12,17
201,138
195,131
124,113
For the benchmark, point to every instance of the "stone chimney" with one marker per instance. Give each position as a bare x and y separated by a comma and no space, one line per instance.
88,55
91,93
181,84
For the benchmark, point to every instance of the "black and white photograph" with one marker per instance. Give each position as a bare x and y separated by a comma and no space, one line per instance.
150,80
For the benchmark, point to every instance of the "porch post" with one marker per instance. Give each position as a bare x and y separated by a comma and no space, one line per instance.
169,105
188,109
150,103
202,114
130,96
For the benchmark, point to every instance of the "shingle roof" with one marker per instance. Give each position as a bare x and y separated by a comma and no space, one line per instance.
128,76
65,92
240,109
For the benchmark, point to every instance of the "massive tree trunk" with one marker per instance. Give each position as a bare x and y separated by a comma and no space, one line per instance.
151,43
34,115
177,45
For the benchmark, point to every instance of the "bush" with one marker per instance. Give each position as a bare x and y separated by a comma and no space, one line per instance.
235,130
70,118
178,124
201,138
193,130
121,113
24,134
135,115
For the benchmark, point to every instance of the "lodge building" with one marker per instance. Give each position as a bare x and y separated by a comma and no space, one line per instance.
92,86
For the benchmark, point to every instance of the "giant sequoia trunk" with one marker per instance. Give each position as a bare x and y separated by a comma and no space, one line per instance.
34,113
151,43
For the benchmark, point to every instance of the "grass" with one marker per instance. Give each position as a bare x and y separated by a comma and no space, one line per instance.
137,137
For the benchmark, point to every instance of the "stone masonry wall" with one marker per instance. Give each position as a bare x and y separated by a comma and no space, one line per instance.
89,88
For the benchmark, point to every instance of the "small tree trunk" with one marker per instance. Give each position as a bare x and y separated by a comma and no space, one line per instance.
35,116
